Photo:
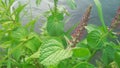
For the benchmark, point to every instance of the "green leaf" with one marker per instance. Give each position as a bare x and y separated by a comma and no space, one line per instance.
19,33
55,29
67,63
81,53
117,58
17,53
84,65
31,41
99,8
108,54
58,16
93,40
82,43
71,3
33,44
33,56
8,63
31,24
17,12
55,24
52,52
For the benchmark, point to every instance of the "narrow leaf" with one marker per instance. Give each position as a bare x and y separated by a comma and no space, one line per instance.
100,13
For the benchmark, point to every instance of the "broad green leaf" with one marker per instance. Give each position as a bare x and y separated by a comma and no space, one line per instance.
56,57
19,33
108,54
117,58
33,44
94,40
71,3
84,65
52,52
55,24
55,29
99,8
81,53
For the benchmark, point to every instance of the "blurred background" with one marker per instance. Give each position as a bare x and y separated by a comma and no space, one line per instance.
109,11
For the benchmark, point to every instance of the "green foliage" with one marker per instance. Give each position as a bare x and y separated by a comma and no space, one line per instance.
17,11
93,39
22,47
99,7
108,53
78,52
31,25
19,33
55,24
52,52
117,58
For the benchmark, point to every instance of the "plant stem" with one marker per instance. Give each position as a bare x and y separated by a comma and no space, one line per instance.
94,52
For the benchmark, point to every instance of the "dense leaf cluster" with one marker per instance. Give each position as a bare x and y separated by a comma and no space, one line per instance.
22,47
